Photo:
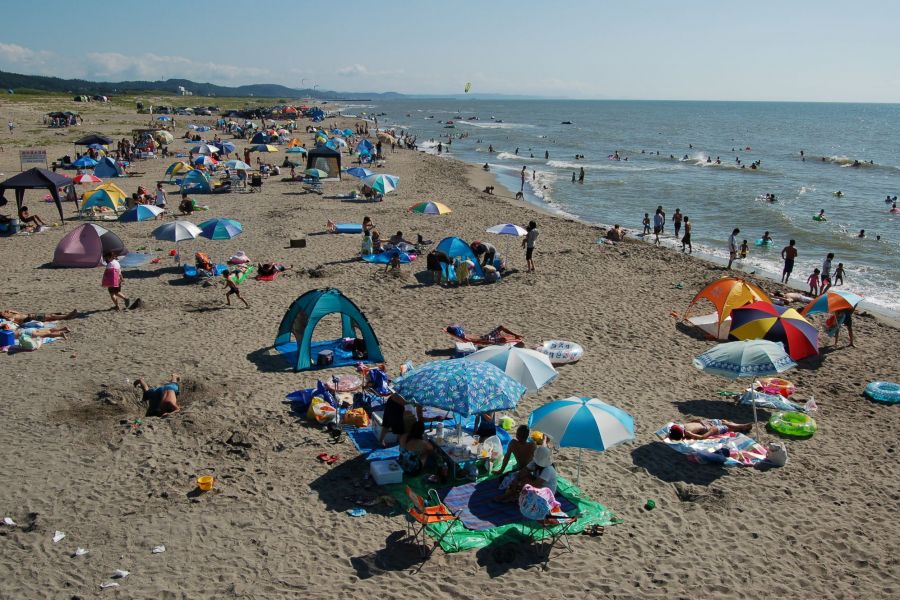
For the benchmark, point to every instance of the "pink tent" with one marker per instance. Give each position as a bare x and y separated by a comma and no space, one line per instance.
85,246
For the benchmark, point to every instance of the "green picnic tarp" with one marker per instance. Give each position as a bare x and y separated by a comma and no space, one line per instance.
459,538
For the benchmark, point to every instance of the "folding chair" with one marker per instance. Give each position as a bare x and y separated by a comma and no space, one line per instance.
554,528
421,515
256,183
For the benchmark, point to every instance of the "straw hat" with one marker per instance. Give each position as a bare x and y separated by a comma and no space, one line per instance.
542,456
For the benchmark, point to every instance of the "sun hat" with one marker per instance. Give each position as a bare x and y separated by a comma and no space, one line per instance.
542,456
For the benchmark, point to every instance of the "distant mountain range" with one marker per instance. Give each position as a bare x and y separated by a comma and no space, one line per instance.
19,82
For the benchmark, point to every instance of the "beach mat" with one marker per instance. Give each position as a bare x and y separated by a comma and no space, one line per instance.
460,538
477,509
366,442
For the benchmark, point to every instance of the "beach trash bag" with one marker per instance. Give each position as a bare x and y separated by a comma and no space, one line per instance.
536,503
320,411
494,450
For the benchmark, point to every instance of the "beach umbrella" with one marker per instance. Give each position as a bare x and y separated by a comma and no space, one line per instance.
237,164
529,367
317,173
141,212
263,148
386,137
465,387
360,172
205,160
226,147
430,208
220,229
382,184
832,301
85,162
178,167
748,358
164,137
205,149
339,142
176,231
583,423
163,118
347,132
86,178
507,229
765,321
296,150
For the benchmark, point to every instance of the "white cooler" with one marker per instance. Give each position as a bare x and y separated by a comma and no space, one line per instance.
385,472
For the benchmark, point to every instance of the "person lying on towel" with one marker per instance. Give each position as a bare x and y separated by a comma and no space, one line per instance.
20,317
700,429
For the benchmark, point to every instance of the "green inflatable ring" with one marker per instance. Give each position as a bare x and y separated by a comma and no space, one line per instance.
818,218
793,424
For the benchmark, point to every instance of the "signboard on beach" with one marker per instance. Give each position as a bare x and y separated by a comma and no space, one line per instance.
32,157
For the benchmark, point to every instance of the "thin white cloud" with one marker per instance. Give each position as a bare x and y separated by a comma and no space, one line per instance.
358,70
20,57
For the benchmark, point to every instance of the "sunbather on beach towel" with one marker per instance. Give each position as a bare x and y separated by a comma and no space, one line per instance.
36,332
268,269
20,317
162,401
700,429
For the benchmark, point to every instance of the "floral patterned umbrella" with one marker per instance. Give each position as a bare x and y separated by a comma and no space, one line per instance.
463,386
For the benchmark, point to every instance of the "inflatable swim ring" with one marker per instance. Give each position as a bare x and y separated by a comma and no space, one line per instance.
776,385
818,218
561,352
793,424
761,242
883,391
837,194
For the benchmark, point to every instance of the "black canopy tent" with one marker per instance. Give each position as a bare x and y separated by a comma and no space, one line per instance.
35,179
325,159
93,138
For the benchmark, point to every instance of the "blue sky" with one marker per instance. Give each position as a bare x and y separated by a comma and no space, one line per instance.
651,49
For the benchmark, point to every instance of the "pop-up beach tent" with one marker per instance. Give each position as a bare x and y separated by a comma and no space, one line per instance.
107,168
325,159
295,333
85,246
455,247
35,179
725,294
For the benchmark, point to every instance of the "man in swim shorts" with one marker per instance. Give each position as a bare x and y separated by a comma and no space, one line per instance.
700,429
788,253
162,401
19,317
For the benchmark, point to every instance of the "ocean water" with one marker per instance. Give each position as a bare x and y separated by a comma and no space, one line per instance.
716,197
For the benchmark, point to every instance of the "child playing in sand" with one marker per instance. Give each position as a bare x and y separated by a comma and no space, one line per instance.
112,280
839,274
745,249
813,281
233,289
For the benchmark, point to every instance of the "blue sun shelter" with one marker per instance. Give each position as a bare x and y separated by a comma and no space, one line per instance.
455,247
295,334
107,169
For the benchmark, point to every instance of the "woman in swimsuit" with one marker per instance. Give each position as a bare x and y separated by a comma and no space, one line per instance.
701,429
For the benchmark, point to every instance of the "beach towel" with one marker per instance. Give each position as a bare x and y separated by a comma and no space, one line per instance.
479,512
729,449
774,401
271,277
366,442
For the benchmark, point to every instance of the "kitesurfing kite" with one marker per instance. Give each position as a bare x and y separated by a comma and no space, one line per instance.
468,86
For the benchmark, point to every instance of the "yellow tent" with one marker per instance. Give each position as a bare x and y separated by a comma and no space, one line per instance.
114,191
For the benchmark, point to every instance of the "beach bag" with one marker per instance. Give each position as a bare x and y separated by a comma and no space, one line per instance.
456,330
320,411
536,503
777,454
356,417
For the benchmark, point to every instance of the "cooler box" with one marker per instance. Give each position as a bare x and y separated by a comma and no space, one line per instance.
325,358
7,337
385,472
390,437
464,349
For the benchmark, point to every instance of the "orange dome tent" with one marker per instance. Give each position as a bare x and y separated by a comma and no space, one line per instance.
725,294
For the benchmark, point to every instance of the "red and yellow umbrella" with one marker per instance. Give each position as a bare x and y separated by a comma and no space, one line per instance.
765,321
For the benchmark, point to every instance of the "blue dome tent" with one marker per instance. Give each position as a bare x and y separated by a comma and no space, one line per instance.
301,319
455,247
107,168
261,137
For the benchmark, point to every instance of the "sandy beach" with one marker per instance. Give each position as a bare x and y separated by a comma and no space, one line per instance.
823,526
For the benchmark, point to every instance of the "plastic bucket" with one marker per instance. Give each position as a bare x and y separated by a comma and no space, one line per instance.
205,482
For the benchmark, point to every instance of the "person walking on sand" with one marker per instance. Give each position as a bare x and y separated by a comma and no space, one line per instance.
161,197
522,187
686,240
732,246
233,289
788,253
528,243
112,280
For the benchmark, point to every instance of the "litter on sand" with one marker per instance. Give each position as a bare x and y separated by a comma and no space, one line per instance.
80,552
8,521
120,574
58,536
356,512
108,584
158,549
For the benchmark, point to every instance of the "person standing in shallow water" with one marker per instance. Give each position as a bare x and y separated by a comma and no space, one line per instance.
732,246
788,253
686,240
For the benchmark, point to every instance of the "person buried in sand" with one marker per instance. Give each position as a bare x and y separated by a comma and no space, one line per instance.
539,473
162,400
701,429
19,317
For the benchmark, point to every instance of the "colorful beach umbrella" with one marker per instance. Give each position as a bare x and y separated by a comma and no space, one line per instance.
529,367
749,358
507,229
430,208
141,212
383,184
766,321
832,301
226,147
263,148
317,173
583,423
86,178
205,160
220,229
84,162
463,386
360,172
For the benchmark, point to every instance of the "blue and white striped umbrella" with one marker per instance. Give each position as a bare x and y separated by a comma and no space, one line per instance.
220,229
583,423
748,358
